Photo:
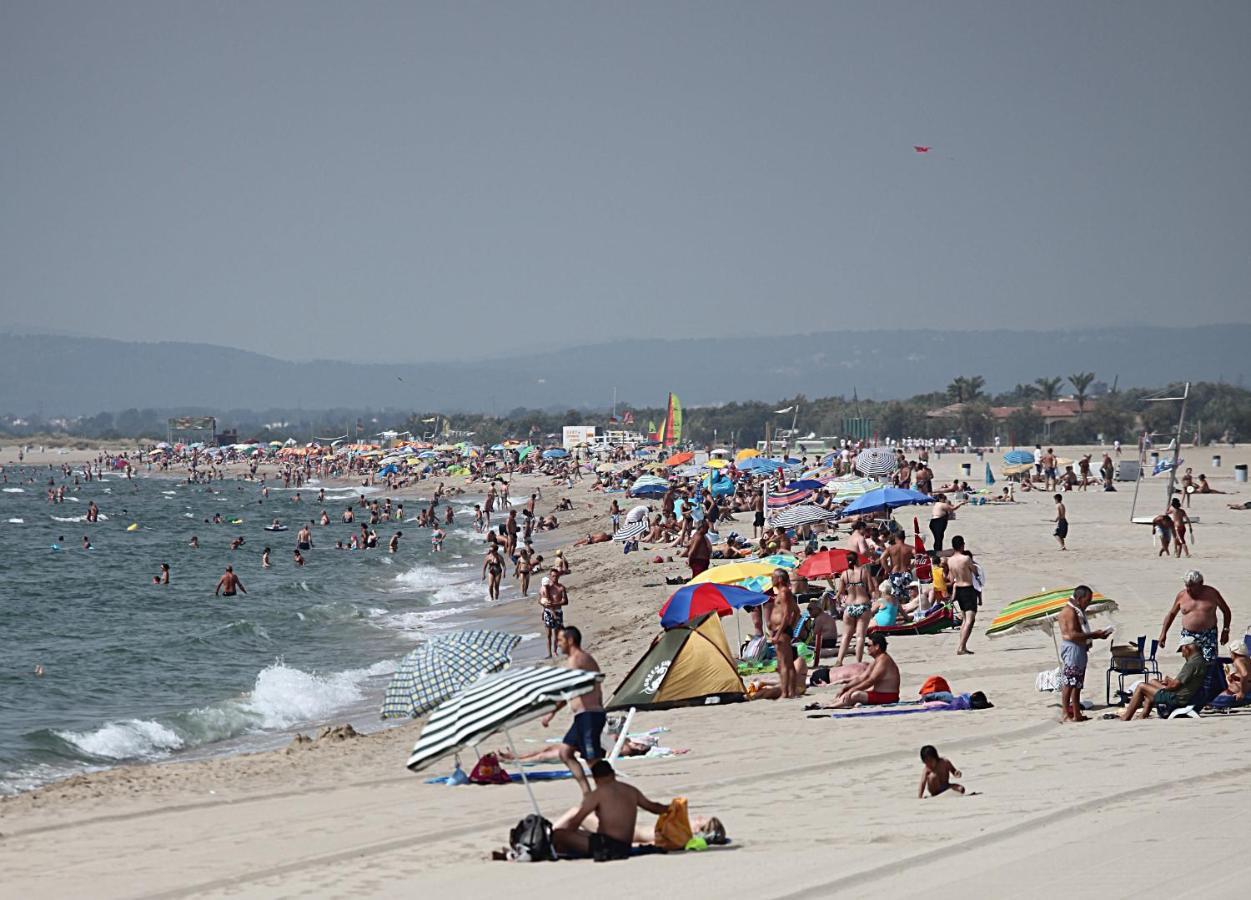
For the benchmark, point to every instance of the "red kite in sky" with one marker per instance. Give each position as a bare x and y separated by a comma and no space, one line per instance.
921,149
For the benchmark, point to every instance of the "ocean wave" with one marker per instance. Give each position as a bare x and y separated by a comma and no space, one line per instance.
17,521
15,490
129,739
421,577
83,518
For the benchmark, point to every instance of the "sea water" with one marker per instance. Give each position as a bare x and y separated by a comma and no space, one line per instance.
133,671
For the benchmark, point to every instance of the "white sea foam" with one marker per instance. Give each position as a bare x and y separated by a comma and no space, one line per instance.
17,521
129,739
421,577
14,490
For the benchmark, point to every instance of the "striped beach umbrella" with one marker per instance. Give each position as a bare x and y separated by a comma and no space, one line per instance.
496,703
783,499
805,514
1017,457
441,667
876,461
1036,610
631,531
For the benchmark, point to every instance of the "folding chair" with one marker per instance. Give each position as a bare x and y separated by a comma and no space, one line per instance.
1137,665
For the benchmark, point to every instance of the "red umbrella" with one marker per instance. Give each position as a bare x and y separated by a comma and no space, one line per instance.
694,600
826,563
678,458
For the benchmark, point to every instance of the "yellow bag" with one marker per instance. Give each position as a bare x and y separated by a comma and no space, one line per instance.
673,828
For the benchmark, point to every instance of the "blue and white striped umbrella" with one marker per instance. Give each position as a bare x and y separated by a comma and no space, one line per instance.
496,703
1018,457
806,514
876,461
631,531
441,667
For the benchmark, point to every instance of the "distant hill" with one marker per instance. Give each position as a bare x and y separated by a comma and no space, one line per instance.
63,375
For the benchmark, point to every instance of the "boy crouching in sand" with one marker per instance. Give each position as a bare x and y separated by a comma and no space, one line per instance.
937,774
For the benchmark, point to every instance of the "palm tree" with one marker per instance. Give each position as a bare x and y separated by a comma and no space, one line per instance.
1081,381
1049,387
966,390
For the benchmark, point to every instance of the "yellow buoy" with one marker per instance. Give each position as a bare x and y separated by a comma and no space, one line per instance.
134,526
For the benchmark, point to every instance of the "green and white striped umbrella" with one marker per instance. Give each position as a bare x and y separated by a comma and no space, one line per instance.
440,668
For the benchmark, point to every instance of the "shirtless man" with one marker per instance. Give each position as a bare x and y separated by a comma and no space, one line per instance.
588,713
758,517
958,569
1181,523
553,598
601,537
824,629
229,583
1062,522
878,685
304,538
615,806
1198,604
782,619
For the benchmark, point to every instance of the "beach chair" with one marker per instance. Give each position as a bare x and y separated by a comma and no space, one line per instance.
1138,664
1214,684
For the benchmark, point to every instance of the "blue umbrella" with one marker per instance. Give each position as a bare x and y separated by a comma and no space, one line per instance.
1018,457
695,600
759,464
389,469
805,484
555,453
886,498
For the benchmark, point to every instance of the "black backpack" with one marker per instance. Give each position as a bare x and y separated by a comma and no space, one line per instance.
531,840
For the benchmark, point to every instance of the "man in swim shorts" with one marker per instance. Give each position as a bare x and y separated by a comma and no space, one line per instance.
589,718
879,685
615,806
229,583
959,573
1198,604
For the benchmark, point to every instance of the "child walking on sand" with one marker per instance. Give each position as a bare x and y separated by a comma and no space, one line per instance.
936,776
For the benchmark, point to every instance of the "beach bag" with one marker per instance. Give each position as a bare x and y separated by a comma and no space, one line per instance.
531,840
673,828
935,684
489,771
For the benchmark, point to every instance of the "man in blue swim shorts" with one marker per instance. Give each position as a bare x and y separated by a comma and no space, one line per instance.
589,717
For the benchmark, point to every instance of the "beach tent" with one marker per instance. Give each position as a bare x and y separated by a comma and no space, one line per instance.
688,665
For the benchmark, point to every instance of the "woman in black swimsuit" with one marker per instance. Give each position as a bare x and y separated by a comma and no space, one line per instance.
493,567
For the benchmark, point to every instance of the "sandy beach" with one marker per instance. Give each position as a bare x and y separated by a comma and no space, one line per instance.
815,806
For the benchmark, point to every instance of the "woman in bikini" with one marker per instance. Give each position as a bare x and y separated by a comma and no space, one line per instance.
858,588
493,567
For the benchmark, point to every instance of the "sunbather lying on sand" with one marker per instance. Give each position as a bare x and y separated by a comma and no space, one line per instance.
551,753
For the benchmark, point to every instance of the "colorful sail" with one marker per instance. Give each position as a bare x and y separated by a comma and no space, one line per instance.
673,422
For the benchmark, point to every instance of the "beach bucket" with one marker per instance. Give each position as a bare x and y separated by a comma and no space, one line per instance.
1216,460
967,469
1155,457
1240,472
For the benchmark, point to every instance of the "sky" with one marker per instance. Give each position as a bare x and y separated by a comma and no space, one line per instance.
423,181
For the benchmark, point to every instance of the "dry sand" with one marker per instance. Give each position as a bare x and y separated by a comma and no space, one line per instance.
816,807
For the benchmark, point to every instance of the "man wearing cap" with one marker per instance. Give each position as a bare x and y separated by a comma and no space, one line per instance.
1198,603
1173,691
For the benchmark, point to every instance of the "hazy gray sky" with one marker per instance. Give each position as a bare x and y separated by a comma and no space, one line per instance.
411,181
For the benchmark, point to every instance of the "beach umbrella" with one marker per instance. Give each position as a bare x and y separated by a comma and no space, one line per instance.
781,560
389,469
804,514
1017,457
760,464
884,499
717,463
555,453
732,573
631,531
876,461
805,484
678,458
826,563
990,476
695,600
745,454
1036,610
441,667
496,703
783,499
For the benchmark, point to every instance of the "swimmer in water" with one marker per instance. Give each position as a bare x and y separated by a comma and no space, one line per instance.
86,543
194,543
299,560
236,543
229,583
265,558
164,573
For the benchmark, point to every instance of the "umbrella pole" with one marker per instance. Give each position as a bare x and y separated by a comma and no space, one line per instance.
529,790
621,738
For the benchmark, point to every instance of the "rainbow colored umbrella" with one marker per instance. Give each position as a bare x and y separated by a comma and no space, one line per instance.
1036,610
693,601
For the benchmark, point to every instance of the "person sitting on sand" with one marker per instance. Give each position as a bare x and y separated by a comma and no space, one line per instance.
1239,678
936,776
1205,488
822,630
879,685
615,805
1175,691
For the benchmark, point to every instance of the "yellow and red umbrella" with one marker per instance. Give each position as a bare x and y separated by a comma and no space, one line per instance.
1037,610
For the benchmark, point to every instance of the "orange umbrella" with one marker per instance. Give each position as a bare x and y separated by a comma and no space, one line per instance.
679,458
